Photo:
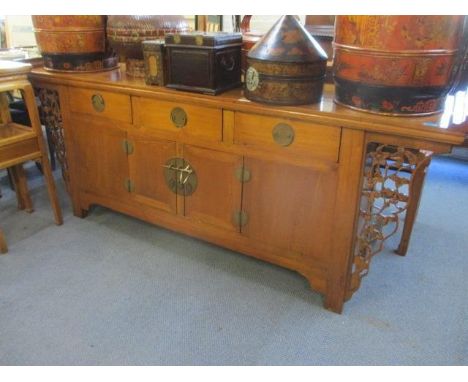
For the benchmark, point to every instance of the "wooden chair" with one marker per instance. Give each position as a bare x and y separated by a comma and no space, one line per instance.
19,144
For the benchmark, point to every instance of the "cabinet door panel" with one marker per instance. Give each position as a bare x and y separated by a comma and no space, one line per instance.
101,162
218,193
289,207
147,171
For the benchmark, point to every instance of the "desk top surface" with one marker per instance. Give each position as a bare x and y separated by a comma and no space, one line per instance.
451,126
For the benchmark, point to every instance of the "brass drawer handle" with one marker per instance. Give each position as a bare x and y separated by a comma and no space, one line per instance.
283,134
179,117
98,102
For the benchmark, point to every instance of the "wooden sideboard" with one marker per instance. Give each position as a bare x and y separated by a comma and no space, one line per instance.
315,189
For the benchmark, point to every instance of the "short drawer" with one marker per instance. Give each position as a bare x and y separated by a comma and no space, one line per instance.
102,104
284,136
175,119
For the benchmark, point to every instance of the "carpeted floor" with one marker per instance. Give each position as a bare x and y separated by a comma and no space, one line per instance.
110,289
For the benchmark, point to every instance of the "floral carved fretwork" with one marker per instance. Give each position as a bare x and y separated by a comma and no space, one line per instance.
388,180
51,117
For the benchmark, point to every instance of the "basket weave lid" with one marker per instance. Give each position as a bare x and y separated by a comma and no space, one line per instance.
288,41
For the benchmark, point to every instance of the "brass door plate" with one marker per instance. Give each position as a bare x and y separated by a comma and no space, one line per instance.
98,103
240,218
127,147
129,185
242,174
179,117
180,176
283,134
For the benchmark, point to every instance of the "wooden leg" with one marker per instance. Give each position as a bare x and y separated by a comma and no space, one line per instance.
80,213
28,96
333,303
51,145
3,244
345,214
10,179
18,177
51,189
416,187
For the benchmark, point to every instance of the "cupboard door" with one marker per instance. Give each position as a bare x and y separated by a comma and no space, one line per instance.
289,208
217,197
101,162
146,159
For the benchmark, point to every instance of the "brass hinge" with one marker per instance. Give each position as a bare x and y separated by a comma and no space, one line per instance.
240,218
127,147
242,174
129,185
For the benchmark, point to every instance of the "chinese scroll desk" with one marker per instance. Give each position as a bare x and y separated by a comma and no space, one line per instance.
315,189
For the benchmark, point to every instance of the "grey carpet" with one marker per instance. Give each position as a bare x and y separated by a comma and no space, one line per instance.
110,289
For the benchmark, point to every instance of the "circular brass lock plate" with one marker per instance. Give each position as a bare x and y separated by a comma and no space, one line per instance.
180,176
98,102
283,134
177,39
178,117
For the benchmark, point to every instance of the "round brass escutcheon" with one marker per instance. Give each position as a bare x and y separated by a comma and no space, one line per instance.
177,39
199,40
178,117
180,176
98,102
283,134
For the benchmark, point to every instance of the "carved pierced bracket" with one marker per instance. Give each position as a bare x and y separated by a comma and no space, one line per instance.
388,179
51,117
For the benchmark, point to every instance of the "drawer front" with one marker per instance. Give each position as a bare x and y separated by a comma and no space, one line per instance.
283,136
101,104
176,120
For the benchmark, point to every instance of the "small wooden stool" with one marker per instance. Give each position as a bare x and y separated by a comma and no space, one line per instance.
18,143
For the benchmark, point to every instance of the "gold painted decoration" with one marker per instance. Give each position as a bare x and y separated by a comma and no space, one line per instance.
73,43
286,66
153,65
154,62
396,65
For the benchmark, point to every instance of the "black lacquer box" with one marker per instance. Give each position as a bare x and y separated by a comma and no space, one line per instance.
203,62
